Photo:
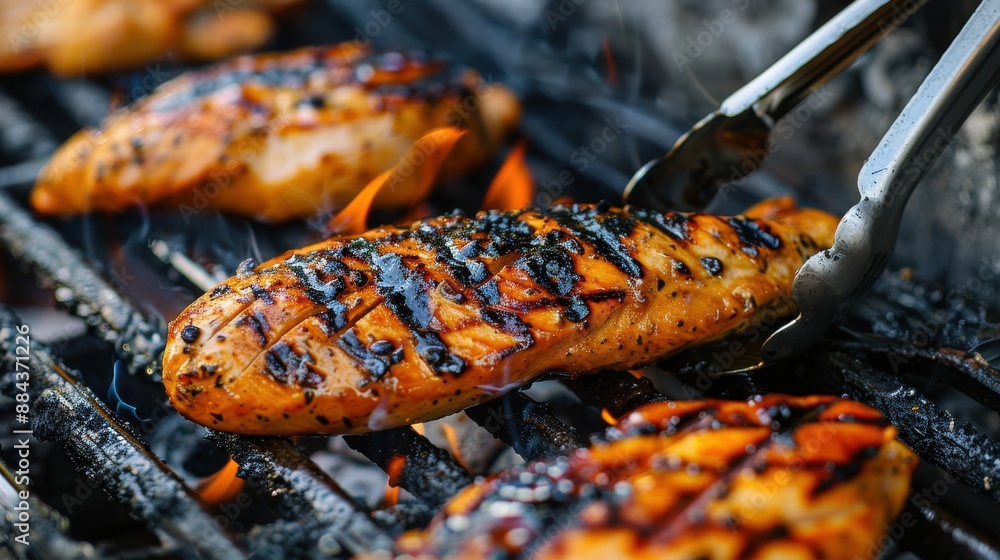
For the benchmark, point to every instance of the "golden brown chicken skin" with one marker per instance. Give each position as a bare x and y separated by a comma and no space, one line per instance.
276,136
79,37
776,478
404,325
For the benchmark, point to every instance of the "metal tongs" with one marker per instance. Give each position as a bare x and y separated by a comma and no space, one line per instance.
728,145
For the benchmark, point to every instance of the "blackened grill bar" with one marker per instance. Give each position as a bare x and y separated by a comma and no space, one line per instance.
937,533
304,492
44,521
77,286
955,446
530,427
67,412
424,470
618,392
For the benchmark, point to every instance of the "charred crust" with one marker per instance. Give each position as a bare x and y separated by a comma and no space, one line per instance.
190,334
489,293
320,275
256,323
406,293
246,268
375,361
712,265
261,294
552,268
219,290
290,368
674,224
603,231
754,235
511,324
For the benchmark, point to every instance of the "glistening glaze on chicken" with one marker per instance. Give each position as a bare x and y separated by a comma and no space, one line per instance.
779,477
407,324
276,136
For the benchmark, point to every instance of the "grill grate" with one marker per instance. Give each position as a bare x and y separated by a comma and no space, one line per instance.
106,452
313,511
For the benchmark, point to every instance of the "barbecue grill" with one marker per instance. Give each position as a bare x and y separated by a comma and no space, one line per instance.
112,472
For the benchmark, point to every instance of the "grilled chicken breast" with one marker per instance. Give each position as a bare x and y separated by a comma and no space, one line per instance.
776,478
404,325
276,136
78,37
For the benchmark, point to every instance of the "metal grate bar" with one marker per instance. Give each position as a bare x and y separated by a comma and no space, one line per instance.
530,427
303,491
21,135
108,454
965,371
46,529
618,392
80,288
956,447
424,470
935,531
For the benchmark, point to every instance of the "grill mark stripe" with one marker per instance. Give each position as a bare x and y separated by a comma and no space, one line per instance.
377,366
602,231
406,293
674,224
439,240
239,309
278,335
680,521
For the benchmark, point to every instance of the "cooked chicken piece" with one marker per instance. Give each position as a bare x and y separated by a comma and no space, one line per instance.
276,136
776,478
404,325
78,37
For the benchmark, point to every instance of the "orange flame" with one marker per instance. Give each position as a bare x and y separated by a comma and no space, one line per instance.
394,470
512,188
608,417
563,201
222,486
452,436
406,184
391,497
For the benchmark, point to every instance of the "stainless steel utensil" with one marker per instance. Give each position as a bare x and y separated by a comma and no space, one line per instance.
717,150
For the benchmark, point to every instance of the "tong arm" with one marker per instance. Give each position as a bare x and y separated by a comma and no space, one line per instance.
832,281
